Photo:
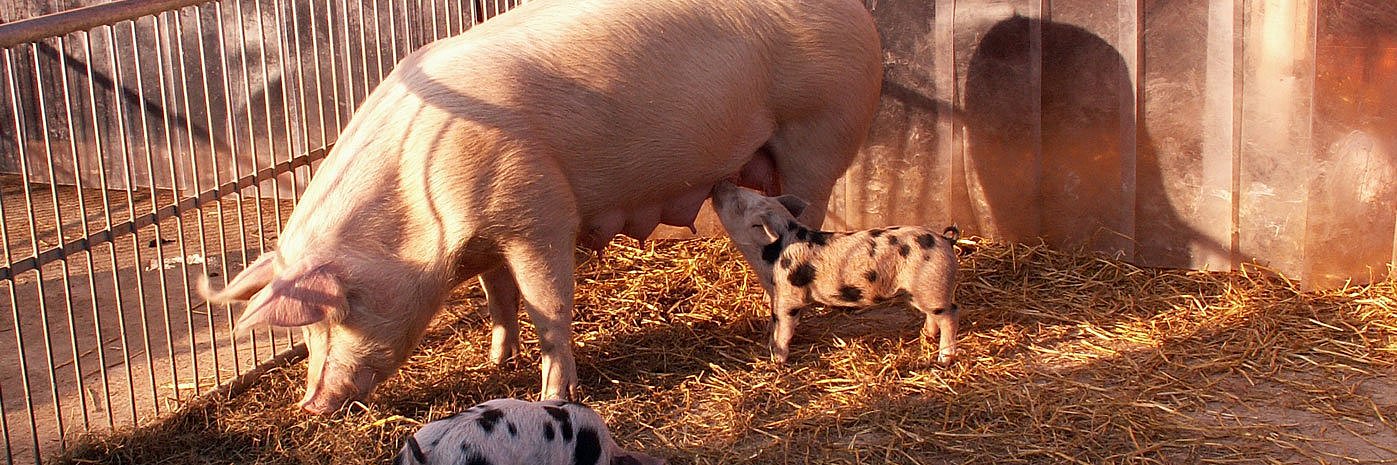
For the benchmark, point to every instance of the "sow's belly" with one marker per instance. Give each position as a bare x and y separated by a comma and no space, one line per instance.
678,210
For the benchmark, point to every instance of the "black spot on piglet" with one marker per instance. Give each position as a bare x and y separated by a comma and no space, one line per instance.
926,240
871,275
803,275
904,250
548,433
470,457
588,448
771,252
415,450
476,459
850,293
512,430
488,418
563,419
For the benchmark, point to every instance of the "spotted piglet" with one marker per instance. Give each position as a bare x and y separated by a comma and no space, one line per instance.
515,432
799,266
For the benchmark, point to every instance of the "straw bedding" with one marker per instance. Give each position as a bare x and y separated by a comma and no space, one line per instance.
1066,358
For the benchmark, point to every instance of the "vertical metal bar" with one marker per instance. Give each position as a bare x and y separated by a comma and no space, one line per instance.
271,147
393,30
154,209
363,51
82,213
378,44
433,4
463,15
319,84
165,103
5,427
267,111
82,202
446,12
34,237
58,216
292,151
217,174
111,248
334,64
116,280
348,60
194,172
5,244
5,237
236,193
474,19
408,44
252,144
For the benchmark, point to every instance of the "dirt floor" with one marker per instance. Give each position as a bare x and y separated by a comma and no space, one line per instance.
1068,358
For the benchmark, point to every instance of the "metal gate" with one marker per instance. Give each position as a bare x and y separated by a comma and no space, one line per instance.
145,143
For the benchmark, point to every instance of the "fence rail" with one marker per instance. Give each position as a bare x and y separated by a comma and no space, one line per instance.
146,142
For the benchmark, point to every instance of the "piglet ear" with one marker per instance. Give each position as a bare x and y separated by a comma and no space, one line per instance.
773,226
303,298
793,204
634,458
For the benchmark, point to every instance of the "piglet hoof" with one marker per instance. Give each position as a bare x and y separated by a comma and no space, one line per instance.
779,356
946,357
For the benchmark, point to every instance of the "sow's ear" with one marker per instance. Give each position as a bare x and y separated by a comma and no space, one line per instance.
793,204
302,298
250,280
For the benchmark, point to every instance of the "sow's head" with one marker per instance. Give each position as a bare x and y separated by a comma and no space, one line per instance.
358,327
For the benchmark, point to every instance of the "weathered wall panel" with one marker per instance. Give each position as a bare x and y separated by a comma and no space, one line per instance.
903,173
1275,157
1184,169
1352,202
999,58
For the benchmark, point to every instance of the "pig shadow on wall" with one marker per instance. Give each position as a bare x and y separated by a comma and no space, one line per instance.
1069,170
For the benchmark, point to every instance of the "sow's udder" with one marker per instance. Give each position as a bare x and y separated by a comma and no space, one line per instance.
640,221
681,210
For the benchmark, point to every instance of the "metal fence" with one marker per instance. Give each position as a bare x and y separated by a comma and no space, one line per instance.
145,143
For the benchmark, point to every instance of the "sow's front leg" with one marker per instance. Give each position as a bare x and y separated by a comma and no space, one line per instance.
502,299
544,271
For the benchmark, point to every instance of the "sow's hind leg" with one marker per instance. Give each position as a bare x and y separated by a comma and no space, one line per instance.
811,155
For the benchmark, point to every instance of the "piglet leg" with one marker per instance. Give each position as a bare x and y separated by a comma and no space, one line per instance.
784,311
502,298
943,321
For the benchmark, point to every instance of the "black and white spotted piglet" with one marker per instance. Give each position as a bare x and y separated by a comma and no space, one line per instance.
798,266
515,432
